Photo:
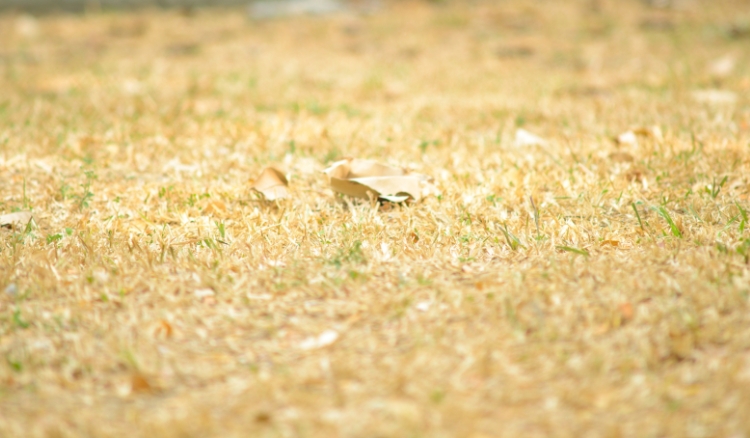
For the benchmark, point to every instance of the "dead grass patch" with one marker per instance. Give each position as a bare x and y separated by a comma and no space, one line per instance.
587,283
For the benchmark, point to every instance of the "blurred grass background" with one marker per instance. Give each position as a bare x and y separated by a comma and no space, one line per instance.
51,6
598,285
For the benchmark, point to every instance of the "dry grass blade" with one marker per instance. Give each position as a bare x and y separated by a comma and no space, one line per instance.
272,184
552,285
574,250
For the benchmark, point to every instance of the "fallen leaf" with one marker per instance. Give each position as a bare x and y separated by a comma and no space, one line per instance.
263,417
414,237
17,219
272,184
628,138
682,344
738,31
178,167
215,207
324,339
204,292
163,328
365,178
626,309
139,383
650,132
635,175
621,157
526,138
423,306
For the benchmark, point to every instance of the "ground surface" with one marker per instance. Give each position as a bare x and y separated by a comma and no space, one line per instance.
155,295
55,6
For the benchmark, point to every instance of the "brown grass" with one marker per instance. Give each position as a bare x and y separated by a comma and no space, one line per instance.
155,295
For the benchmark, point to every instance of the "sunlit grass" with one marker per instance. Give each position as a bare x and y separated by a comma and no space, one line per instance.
581,284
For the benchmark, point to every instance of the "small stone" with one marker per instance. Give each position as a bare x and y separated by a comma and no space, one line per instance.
12,290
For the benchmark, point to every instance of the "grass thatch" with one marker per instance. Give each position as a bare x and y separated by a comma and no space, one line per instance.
577,286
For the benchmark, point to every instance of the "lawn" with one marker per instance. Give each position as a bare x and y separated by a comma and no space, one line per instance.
577,266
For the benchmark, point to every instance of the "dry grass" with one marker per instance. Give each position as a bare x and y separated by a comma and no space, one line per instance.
155,295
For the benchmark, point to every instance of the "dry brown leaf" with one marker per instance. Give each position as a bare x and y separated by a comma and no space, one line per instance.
139,383
636,174
653,132
215,207
627,311
17,219
621,157
272,184
414,237
163,328
630,137
263,417
365,178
